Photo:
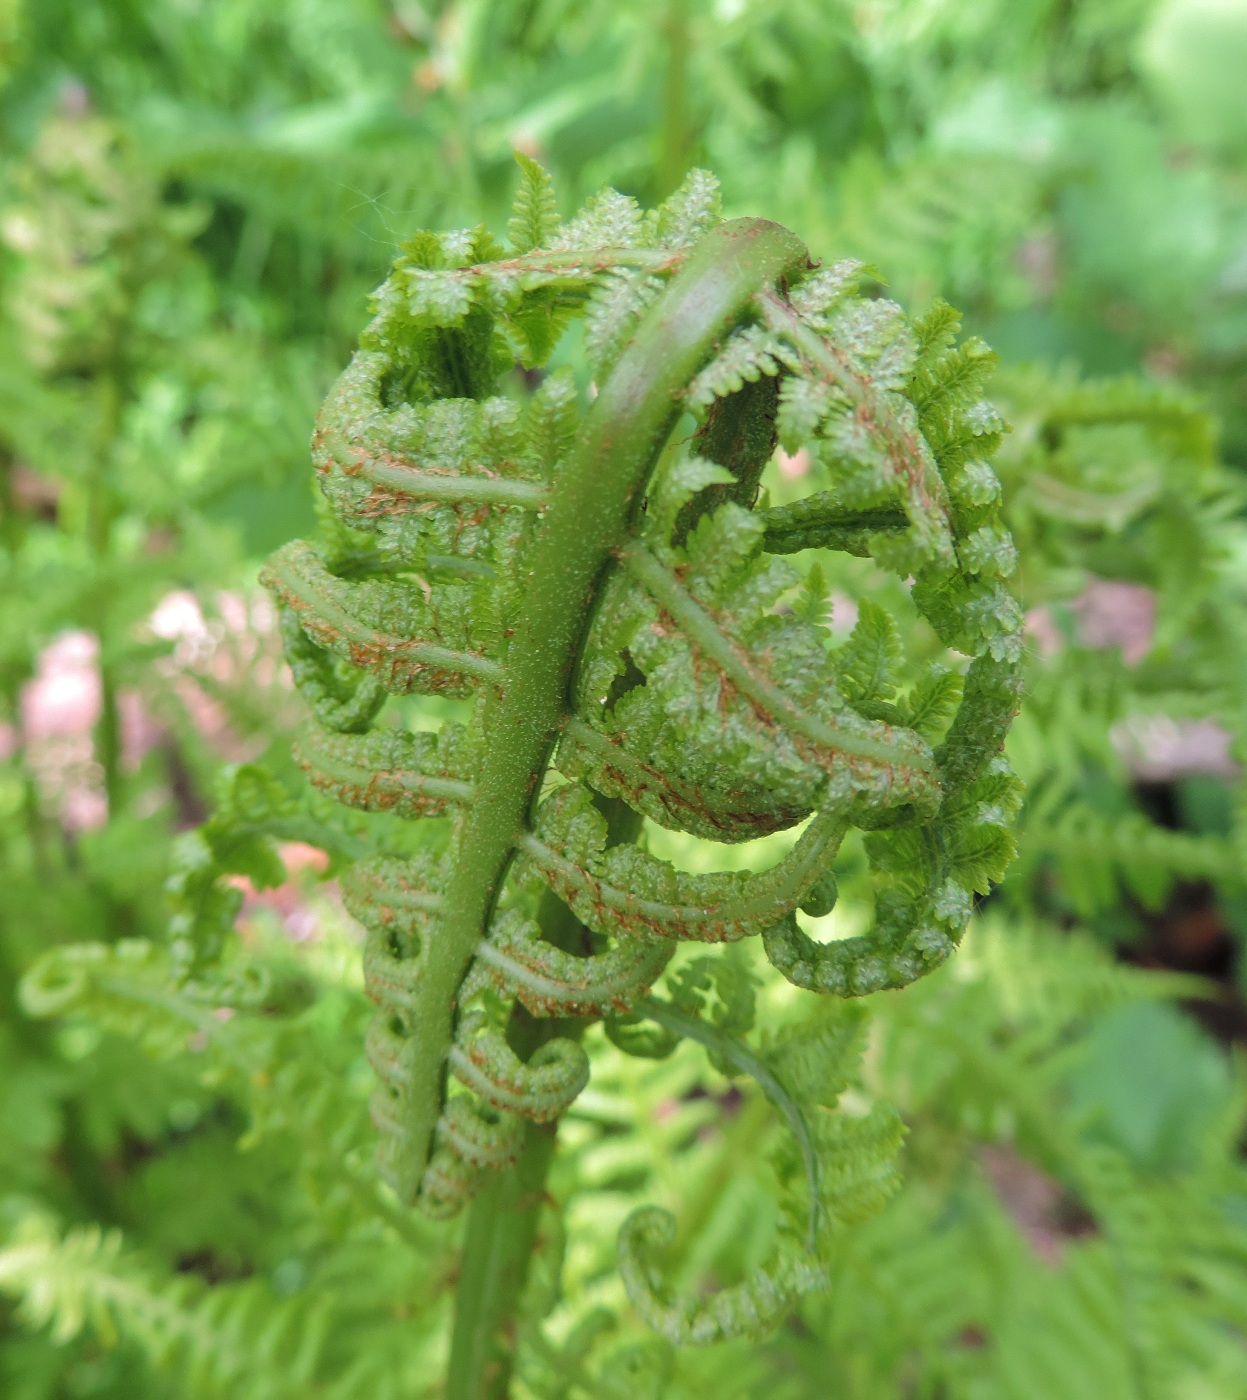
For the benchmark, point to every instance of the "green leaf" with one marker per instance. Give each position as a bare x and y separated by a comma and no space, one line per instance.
679,484
980,855
876,337
728,978
552,420
748,355
804,406
250,800
613,314
936,331
867,664
932,703
820,295
692,210
813,603
535,215
438,298
609,220
818,1059
989,552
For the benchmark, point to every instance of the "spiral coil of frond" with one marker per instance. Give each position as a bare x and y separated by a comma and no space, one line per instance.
614,606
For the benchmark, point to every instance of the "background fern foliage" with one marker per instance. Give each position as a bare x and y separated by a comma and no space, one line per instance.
839,1158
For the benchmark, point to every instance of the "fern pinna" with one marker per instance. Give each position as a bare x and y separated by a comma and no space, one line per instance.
613,599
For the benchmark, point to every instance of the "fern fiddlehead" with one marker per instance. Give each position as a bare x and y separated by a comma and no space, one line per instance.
613,604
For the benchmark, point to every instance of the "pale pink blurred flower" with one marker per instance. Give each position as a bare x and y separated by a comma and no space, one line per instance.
60,707
84,807
1158,749
794,467
1115,614
64,697
210,719
1109,614
233,610
10,741
237,650
301,924
298,855
289,902
179,618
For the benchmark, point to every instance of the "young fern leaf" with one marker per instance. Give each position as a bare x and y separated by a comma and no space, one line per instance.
748,1309
846,1168
535,216
611,605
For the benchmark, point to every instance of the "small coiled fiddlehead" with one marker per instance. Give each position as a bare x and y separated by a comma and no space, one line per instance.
613,604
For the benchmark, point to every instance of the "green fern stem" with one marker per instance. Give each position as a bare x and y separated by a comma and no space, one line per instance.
690,1027
614,456
498,1243
618,445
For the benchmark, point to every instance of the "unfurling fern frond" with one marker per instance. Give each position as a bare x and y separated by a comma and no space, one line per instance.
613,605
641,651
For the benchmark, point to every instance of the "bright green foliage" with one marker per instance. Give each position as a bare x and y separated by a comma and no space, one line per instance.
196,199
912,1291
256,1040
1017,157
1126,1283
136,408
1115,485
536,213
252,809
